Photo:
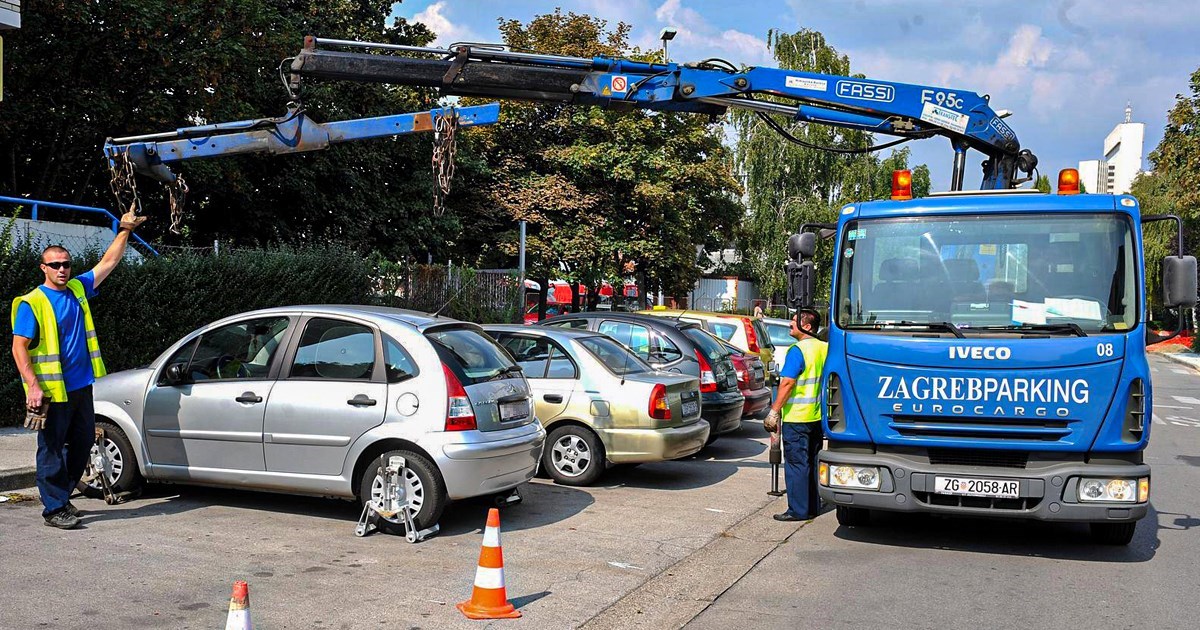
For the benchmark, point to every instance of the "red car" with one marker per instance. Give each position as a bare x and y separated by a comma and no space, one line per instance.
752,381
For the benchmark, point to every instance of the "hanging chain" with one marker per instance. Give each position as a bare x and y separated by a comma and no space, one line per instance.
124,184
444,141
124,188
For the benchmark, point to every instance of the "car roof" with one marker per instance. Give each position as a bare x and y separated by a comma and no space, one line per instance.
690,313
545,331
650,320
777,320
417,319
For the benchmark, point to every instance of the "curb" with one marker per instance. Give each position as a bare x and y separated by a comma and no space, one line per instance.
1174,357
679,593
17,478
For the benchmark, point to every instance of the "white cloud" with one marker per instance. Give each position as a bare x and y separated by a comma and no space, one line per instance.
447,32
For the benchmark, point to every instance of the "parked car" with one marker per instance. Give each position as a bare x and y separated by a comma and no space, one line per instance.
313,399
601,404
744,332
752,381
676,346
779,332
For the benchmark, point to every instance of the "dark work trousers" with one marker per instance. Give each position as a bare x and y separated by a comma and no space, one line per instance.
801,442
63,448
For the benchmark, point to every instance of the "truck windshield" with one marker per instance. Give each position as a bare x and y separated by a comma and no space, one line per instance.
1062,274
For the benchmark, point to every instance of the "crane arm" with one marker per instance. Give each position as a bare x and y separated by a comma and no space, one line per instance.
708,87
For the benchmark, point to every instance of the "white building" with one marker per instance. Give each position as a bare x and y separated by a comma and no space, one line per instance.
1122,159
10,14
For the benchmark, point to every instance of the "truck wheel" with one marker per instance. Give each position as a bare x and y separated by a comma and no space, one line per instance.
1113,533
574,456
853,517
125,475
425,487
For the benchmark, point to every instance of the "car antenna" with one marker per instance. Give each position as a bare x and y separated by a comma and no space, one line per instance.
462,287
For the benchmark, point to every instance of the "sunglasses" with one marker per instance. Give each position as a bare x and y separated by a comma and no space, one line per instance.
66,264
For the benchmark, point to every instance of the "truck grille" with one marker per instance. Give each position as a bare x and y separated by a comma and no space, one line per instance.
999,429
973,457
1023,503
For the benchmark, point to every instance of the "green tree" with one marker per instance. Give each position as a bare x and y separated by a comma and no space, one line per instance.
80,71
1043,183
605,193
789,184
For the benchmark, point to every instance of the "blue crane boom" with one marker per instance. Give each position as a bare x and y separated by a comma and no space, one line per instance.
295,132
712,87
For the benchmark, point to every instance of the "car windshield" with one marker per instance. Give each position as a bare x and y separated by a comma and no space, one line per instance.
1069,273
474,354
617,358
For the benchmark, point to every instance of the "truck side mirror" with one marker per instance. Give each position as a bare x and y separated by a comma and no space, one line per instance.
1179,281
802,283
802,246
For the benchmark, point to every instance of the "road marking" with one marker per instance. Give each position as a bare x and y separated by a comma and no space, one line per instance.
1161,406
1157,420
1181,421
1187,400
622,565
1182,371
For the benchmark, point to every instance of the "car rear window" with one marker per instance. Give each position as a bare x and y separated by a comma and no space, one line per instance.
617,358
723,330
780,335
472,355
760,331
709,345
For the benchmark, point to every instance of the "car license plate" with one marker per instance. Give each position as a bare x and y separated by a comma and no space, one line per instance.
691,406
972,487
758,373
514,411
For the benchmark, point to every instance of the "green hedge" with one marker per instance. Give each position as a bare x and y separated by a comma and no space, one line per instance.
143,307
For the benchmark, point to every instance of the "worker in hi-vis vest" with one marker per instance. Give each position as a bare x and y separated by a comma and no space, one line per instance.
58,355
797,407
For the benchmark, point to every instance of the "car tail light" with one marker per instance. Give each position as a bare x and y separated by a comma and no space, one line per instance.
743,374
659,409
708,380
751,336
460,416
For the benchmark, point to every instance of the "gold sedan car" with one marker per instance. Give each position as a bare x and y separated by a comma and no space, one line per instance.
601,404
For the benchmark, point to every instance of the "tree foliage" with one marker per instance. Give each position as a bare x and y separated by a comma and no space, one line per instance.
605,193
82,70
1173,187
789,184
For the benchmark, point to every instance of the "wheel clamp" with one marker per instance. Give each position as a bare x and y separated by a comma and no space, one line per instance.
394,502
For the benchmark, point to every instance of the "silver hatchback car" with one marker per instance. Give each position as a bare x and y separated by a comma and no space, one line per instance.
311,399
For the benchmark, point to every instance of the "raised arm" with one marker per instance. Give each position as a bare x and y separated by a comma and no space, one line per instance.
116,251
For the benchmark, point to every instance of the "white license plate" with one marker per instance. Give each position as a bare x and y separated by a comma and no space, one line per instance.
514,411
973,487
691,408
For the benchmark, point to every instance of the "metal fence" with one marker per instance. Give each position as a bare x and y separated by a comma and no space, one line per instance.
46,224
478,295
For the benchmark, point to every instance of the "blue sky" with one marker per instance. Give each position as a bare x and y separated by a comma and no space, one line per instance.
1065,68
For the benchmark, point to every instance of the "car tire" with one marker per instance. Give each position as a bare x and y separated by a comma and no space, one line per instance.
126,477
573,456
1113,533
423,480
853,517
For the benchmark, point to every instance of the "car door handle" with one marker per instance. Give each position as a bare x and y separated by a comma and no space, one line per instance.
552,398
361,400
249,397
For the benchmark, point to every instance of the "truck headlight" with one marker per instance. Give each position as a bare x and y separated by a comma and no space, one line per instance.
1114,490
858,477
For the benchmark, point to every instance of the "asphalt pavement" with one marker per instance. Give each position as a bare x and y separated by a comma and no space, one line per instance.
914,572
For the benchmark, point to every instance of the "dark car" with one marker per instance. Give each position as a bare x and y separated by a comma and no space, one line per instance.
752,381
672,345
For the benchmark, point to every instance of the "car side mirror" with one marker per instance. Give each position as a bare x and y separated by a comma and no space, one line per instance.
174,375
1179,281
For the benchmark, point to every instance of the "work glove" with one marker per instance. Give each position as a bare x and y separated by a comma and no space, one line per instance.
771,422
35,418
131,220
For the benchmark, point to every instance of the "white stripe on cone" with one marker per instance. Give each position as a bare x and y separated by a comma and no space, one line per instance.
239,620
489,578
491,537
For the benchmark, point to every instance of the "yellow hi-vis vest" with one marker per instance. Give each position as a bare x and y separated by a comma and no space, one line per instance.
47,363
805,403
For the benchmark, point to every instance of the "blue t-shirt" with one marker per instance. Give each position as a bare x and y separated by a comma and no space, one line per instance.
793,363
72,334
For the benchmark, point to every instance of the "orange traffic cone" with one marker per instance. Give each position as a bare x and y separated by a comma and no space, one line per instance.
239,608
488,599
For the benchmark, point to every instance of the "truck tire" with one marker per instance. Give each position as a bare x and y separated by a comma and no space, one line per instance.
852,516
423,480
1113,533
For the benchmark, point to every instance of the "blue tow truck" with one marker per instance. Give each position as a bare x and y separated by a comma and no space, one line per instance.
987,349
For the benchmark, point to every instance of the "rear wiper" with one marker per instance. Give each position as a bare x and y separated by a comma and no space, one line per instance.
1071,327
946,326
504,371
